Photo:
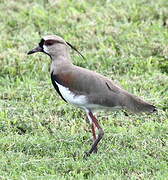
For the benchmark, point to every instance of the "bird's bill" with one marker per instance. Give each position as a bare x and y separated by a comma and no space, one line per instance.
37,49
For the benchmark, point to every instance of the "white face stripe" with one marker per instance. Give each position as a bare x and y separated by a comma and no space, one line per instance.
45,49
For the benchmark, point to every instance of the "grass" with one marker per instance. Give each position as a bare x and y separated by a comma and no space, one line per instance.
41,137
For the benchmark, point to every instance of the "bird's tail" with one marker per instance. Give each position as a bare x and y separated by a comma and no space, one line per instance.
136,104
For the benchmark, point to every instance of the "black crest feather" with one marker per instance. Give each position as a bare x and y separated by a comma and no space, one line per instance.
75,49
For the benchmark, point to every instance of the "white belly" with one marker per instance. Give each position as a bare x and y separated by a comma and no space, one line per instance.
69,96
80,100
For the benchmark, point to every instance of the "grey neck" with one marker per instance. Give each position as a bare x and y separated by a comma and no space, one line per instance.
60,62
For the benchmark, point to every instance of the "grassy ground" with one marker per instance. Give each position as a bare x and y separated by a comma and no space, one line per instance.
41,137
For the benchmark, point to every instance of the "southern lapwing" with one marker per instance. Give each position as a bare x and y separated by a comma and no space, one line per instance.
84,88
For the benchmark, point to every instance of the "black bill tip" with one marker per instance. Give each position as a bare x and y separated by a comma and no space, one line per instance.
30,52
37,49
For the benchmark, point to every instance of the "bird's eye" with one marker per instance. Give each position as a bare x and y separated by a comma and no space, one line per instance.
49,42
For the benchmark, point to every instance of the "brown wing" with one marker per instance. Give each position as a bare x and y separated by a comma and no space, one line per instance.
100,90
83,81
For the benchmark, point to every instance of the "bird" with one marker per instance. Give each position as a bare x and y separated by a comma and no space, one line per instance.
84,88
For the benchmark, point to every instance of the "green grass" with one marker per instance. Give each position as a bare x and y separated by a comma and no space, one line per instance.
41,137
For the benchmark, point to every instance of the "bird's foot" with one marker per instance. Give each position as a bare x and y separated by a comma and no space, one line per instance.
88,153
95,150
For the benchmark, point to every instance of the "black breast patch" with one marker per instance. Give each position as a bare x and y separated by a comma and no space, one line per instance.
53,79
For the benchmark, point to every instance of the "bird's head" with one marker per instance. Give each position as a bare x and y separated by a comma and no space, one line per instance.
53,46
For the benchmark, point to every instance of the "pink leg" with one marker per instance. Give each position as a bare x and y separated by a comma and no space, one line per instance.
94,131
100,133
94,136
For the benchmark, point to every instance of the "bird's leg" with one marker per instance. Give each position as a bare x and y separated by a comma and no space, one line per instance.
89,120
94,136
94,131
100,132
